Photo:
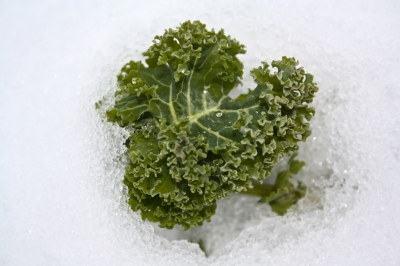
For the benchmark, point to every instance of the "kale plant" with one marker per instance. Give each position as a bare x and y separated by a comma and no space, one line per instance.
191,144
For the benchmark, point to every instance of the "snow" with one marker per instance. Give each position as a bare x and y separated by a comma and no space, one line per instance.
62,201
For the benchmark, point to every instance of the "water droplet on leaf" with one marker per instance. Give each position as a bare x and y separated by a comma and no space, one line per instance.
219,114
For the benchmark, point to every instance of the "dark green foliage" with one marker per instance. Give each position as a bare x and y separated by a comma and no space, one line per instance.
193,144
283,194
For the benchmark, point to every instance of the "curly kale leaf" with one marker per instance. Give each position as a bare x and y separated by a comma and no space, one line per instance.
283,194
192,144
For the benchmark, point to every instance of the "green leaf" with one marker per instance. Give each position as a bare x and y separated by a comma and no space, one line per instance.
193,144
283,194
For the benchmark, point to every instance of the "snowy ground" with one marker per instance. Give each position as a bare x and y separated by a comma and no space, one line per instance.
61,197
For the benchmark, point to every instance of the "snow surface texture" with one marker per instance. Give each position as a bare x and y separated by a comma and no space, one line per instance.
62,201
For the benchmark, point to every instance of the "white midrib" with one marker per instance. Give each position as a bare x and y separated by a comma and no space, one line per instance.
188,97
171,106
194,118
211,132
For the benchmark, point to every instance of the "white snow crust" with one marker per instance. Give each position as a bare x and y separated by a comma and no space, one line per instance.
61,165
